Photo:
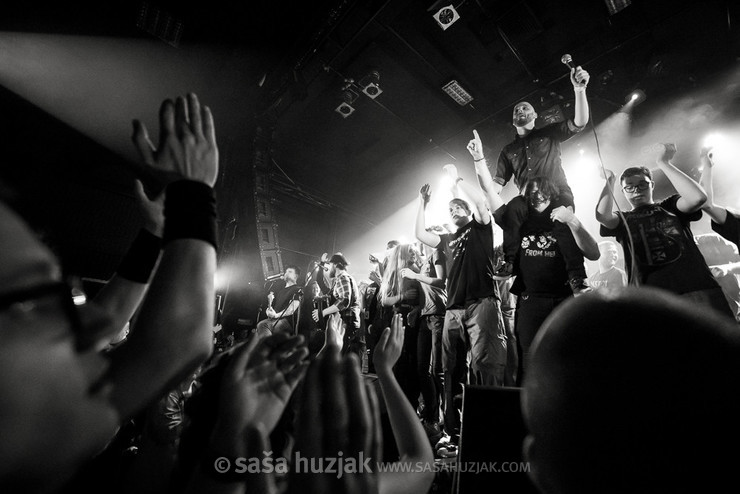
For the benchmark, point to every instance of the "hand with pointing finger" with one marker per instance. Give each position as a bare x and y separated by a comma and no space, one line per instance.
476,147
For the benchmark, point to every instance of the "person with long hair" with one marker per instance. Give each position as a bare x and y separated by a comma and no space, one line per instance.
403,295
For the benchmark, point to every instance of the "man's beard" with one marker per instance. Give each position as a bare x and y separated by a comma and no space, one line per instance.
523,121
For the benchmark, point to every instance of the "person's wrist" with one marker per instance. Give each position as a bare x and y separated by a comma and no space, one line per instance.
579,89
384,372
482,158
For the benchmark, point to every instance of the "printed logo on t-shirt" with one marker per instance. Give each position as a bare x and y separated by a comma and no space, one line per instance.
657,235
539,245
457,245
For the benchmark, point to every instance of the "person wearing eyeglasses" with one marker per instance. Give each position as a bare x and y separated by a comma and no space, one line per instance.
657,239
62,400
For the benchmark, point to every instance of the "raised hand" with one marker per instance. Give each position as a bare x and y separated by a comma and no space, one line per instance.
339,413
425,193
187,143
579,77
334,335
259,380
451,171
475,147
389,347
707,155
608,175
666,152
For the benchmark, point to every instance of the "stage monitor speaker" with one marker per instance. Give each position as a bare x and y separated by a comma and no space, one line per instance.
491,437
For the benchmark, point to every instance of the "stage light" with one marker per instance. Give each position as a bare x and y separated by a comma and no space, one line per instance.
446,16
714,140
370,84
345,110
635,97
455,91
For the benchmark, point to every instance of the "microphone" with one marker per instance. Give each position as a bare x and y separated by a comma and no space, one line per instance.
274,277
568,60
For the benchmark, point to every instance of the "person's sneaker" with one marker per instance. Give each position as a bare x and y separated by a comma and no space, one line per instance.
503,270
449,451
578,286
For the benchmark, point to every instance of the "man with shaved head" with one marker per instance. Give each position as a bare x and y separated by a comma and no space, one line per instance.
658,416
536,152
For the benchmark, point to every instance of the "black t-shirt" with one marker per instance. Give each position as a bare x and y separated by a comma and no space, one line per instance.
541,267
667,256
730,229
468,256
283,297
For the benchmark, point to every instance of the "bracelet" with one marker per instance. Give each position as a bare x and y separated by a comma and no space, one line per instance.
138,263
458,179
482,159
190,212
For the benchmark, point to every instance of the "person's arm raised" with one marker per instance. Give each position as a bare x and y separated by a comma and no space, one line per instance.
605,205
718,214
579,78
122,294
173,333
472,195
422,235
411,440
491,189
692,195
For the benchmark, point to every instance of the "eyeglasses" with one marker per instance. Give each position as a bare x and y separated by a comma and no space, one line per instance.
634,188
69,295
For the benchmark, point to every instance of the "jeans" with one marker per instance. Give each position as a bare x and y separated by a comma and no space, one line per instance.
425,363
478,329
531,312
266,327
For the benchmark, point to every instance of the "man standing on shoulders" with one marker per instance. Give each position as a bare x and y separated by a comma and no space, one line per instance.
535,152
609,276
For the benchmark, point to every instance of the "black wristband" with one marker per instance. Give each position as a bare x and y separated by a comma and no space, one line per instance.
190,212
138,263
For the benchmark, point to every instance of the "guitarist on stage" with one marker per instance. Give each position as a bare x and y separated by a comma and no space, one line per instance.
282,305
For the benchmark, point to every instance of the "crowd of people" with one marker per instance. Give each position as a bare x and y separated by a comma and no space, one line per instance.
95,398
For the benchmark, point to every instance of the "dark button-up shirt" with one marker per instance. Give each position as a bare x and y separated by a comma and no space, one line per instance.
535,154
